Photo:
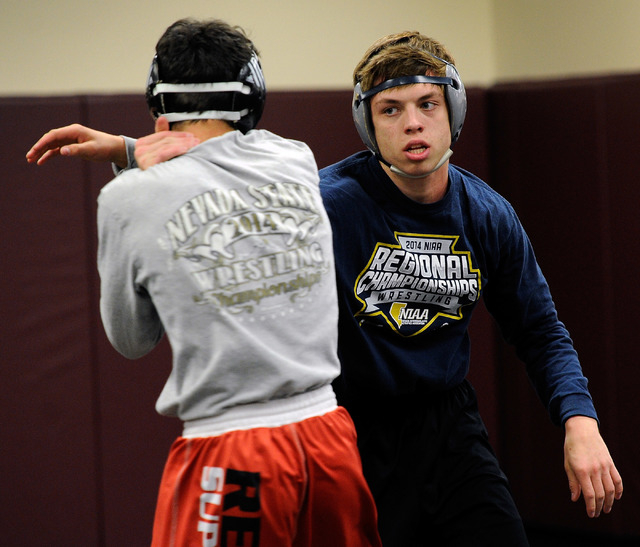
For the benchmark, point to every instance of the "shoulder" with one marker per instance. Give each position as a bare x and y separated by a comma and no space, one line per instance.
120,185
344,176
134,189
350,167
267,138
263,145
478,194
472,183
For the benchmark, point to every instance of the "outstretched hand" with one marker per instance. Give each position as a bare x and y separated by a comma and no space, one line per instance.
79,141
163,145
589,466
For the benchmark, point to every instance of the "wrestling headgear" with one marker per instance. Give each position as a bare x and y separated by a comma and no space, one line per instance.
240,102
454,94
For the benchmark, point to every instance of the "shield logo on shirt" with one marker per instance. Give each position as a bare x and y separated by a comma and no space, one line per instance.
419,282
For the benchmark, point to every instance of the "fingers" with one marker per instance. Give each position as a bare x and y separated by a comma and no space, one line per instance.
574,486
609,494
594,496
599,489
39,157
614,489
54,143
46,147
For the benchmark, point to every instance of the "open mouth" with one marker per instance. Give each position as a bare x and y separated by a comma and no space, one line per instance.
417,151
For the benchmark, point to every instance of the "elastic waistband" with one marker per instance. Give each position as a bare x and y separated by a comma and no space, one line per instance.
274,413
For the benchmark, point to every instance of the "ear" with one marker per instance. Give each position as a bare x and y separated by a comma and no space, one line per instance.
162,124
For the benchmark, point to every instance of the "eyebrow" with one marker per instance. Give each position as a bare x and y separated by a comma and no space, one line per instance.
382,99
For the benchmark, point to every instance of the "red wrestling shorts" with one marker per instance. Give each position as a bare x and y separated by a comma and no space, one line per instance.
294,485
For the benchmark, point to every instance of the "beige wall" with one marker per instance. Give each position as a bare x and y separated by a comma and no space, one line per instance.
556,38
77,46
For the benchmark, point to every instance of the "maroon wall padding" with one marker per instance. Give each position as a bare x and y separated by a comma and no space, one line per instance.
322,119
471,152
49,491
82,447
564,154
135,440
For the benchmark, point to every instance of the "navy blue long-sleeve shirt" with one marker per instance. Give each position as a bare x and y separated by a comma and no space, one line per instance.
410,274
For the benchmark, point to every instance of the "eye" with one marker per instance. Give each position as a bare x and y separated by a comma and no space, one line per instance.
390,110
428,105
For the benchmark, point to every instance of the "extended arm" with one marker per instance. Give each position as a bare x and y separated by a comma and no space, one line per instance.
521,301
79,141
83,142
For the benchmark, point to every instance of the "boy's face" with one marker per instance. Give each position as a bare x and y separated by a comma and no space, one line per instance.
412,126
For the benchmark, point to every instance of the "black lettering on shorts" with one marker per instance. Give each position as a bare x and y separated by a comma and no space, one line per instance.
246,499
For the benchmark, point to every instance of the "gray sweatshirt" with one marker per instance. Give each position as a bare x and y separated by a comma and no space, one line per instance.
228,250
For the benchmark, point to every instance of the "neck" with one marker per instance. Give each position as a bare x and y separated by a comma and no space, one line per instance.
430,188
203,129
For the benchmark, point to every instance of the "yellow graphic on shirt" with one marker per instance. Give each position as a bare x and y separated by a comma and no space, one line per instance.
418,283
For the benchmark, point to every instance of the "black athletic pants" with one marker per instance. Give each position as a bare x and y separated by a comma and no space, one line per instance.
434,476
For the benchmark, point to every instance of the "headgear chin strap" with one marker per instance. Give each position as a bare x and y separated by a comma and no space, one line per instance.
455,96
397,171
240,102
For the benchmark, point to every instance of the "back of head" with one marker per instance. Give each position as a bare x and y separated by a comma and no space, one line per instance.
200,56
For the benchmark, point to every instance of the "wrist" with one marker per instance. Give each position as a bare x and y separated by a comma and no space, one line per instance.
119,152
577,424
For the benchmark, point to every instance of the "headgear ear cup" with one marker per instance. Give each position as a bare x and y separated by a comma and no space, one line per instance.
153,101
251,75
362,118
456,98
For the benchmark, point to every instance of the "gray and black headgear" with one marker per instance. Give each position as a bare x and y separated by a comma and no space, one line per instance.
454,94
240,102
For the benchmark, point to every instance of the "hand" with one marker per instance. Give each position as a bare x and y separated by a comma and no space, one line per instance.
163,145
78,140
589,466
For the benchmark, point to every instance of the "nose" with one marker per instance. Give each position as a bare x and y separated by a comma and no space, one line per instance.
413,121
